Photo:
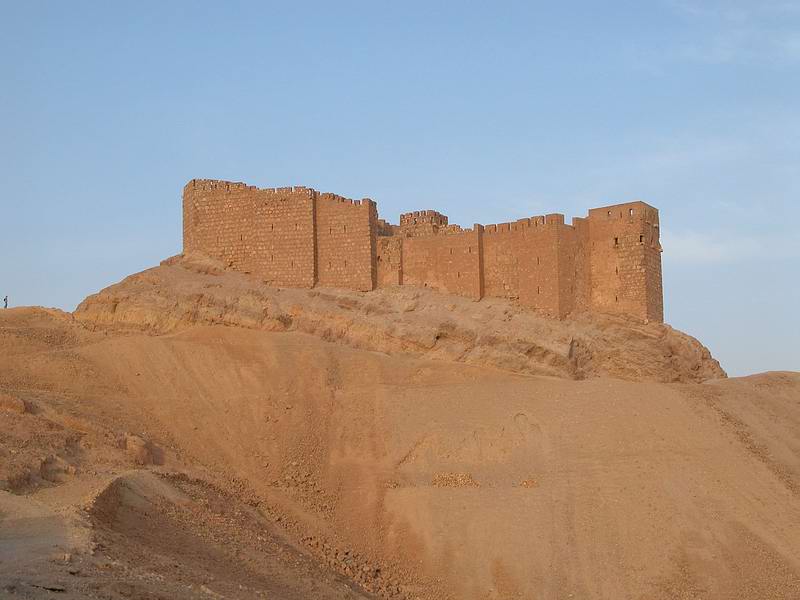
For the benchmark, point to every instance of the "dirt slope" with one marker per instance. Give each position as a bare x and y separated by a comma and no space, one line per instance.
183,292
193,462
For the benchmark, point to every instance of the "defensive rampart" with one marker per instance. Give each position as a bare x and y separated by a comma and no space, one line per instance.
609,261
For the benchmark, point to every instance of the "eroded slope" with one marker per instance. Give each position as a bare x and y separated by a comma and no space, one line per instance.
183,292
410,477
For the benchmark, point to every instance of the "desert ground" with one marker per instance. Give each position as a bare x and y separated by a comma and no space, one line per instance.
191,433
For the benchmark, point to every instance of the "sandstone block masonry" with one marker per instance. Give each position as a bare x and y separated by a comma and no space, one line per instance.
607,262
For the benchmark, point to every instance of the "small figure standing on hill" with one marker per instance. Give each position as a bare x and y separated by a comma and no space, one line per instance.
5,302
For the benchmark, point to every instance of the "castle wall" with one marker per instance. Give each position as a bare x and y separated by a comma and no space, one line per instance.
345,241
608,262
531,260
266,232
449,262
582,279
501,259
539,277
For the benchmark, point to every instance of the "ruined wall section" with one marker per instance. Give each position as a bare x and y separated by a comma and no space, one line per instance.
266,232
390,260
448,262
625,260
566,249
346,232
422,223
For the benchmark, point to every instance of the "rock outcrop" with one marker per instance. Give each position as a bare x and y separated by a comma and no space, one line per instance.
195,290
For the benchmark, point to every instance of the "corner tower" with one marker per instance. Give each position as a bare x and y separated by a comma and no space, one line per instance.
624,261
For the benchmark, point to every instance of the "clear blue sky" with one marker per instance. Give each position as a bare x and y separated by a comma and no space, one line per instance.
486,111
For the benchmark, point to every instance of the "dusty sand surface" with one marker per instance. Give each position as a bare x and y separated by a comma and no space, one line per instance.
152,451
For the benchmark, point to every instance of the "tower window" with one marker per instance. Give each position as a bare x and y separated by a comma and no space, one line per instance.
641,239
616,241
630,212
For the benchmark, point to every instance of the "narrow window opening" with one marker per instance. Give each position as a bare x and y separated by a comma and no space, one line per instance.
451,250
469,249
329,264
641,239
538,290
616,241
616,299
292,264
296,226
630,212
538,262
609,213
616,270
345,263
330,230
458,274
345,228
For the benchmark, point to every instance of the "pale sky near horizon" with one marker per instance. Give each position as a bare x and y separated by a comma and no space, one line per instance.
484,111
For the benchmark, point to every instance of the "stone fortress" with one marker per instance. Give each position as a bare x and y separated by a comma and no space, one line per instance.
607,262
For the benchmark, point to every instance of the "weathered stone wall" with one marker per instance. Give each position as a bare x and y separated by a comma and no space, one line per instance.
449,262
422,223
501,259
607,262
266,232
345,241
390,260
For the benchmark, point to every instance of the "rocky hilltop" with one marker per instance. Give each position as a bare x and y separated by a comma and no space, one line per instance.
191,433
195,290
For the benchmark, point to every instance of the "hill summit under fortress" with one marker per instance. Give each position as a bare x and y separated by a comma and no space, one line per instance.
296,237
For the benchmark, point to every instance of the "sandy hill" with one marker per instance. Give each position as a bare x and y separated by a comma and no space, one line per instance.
189,433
